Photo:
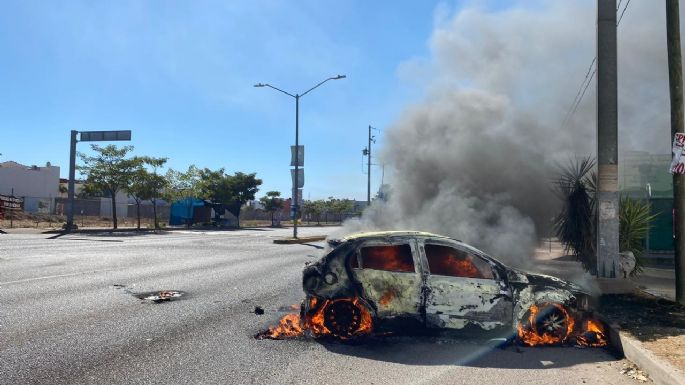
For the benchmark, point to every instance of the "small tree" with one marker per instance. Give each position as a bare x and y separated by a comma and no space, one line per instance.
182,185
315,208
109,171
244,188
231,190
272,203
147,185
340,207
575,225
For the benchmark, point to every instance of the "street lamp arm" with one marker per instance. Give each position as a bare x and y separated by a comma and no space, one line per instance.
331,78
275,88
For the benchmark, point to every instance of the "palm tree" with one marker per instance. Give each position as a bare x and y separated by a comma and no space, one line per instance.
575,226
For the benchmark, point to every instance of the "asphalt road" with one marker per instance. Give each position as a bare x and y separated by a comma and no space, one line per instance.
69,315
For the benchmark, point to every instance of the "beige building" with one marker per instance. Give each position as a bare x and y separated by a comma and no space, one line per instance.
38,186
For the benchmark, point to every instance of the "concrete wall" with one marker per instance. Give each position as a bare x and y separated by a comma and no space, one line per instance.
122,206
39,182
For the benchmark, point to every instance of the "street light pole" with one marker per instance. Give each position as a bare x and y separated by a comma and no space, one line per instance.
296,189
295,203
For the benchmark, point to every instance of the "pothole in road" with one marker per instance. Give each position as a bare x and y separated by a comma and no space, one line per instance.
160,296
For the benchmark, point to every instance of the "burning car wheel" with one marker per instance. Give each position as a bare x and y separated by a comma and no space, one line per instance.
343,318
551,320
545,324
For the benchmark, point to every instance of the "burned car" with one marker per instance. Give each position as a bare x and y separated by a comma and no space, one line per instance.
381,281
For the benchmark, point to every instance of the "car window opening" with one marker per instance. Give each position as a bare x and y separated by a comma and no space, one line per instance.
444,260
391,258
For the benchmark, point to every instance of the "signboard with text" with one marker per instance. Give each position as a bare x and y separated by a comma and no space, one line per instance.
8,202
678,163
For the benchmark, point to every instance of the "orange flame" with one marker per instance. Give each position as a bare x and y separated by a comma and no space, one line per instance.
529,334
315,322
288,327
593,336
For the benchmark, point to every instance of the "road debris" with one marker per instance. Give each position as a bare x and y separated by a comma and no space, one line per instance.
258,310
160,296
631,370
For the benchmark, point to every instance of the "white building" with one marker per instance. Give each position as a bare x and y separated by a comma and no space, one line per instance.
37,185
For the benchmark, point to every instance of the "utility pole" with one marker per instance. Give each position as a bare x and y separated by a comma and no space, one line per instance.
607,245
72,176
367,152
675,80
368,173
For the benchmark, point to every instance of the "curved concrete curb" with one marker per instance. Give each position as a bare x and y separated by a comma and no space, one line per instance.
291,241
658,370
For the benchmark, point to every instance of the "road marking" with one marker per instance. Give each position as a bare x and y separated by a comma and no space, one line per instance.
54,276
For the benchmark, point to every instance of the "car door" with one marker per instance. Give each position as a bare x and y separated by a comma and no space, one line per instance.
389,273
463,288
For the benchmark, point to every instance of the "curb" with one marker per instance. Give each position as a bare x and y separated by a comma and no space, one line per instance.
292,241
658,370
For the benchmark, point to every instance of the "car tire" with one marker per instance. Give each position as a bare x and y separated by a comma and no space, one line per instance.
343,318
545,324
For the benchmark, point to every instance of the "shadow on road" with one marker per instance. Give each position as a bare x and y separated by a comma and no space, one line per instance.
468,352
312,245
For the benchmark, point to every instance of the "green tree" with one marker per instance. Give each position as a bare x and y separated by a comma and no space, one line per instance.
575,225
244,187
233,191
146,185
340,207
315,209
181,185
109,170
272,202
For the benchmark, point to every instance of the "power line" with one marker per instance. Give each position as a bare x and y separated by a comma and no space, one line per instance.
574,105
623,13
586,82
586,86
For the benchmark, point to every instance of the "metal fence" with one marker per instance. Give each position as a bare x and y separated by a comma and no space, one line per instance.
92,207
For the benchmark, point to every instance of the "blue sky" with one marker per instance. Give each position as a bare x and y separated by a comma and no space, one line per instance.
180,75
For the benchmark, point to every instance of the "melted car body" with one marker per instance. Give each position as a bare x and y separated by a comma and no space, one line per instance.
433,281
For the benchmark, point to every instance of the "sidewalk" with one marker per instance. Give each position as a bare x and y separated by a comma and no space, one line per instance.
646,326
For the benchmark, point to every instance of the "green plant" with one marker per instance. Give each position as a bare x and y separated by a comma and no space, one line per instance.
575,224
634,225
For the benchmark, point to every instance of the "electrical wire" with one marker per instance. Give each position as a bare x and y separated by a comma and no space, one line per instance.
623,13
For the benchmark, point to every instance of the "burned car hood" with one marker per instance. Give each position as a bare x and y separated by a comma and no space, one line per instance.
542,280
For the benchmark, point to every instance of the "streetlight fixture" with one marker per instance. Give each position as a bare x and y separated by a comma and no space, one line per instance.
295,204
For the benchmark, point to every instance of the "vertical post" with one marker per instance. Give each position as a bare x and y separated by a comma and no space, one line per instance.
72,176
296,205
675,80
368,173
12,210
607,245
